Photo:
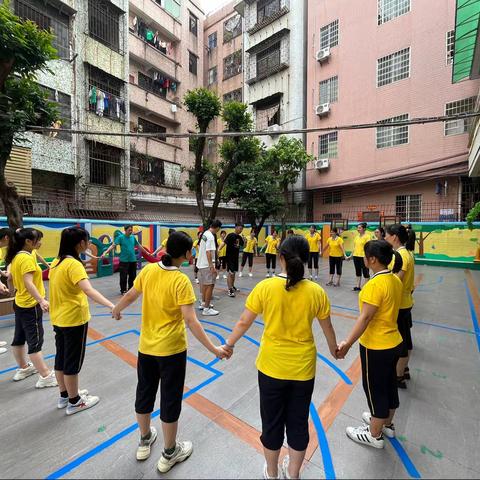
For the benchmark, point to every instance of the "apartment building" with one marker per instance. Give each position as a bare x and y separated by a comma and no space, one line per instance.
385,61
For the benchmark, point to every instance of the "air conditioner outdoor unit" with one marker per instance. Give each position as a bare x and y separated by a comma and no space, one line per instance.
322,163
322,109
323,54
174,108
273,128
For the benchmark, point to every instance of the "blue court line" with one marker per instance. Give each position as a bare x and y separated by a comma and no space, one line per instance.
473,314
446,327
323,443
346,308
4,318
407,463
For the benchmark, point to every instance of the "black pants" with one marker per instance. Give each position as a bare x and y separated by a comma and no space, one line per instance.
336,263
247,256
360,267
404,322
127,269
70,343
313,258
28,328
271,260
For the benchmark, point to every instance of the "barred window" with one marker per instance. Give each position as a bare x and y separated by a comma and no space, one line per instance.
233,96
212,76
329,35
457,127
266,9
62,102
173,173
409,207
393,67
268,60
334,196
192,63
193,24
47,18
328,145
232,28
329,90
104,23
328,217
212,41
390,9
232,65
391,136
450,46
146,170
105,164
152,85
145,126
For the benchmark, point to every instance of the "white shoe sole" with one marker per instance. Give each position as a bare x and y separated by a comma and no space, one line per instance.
162,468
144,456
386,431
70,412
24,377
356,440
55,384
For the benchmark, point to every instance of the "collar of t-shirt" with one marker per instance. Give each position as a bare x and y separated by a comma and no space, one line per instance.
382,272
401,248
165,267
24,251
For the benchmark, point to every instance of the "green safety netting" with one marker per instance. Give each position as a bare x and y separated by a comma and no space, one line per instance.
466,35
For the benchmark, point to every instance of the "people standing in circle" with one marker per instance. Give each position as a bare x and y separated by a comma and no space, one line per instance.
195,254
379,233
163,245
70,290
286,360
272,242
128,258
233,241
206,264
358,255
314,240
249,252
397,237
29,305
222,255
379,338
167,308
335,257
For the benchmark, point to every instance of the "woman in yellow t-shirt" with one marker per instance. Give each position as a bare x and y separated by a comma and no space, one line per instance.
271,242
358,255
222,255
314,240
30,304
69,315
287,357
397,236
377,331
249,252
163,245
336,256
167,306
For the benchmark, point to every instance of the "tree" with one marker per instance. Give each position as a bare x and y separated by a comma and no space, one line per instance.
24,50
472,215
287,158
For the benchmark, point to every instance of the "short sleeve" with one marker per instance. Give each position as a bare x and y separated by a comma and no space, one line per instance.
76,272
164,242
118,240
138,283
324,310
229,241
28,265
405,260
210,244
254,301
184,291
371,294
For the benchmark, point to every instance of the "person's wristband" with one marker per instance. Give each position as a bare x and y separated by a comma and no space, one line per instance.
229,346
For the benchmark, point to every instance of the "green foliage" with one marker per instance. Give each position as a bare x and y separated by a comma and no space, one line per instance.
204,105
236,117
473,215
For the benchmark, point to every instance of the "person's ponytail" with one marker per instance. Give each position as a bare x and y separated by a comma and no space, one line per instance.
295,251
398,262
295,271
167,260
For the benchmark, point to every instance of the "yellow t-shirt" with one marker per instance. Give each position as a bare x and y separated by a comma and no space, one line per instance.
251,245
222,252
272,245
335,246
359,245
164,243
287,349
23,263
384,291
408,278
313,241
195,244
164,290
68,303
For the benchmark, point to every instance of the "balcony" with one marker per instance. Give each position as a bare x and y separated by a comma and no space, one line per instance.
151,102
155,148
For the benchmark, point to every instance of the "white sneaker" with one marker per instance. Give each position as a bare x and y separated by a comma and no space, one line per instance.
265,472
202,306
85,402
316,277
218,277
209,312
197,280
182,451
23,373
362,435
3,350
388,431
286,462
267,275
49,381
63,402
144,446
240,274
3,344
224,276
250,274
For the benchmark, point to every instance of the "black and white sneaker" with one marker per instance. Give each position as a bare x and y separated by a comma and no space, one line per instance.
231,293
389,430
362,435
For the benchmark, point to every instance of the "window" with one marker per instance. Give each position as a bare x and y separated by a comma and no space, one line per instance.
456,127
393,67
450,46
409,207
105,164
146,170
232,65
144,126
47,18
328,217
104,23
232,28
329,35
212,41
332,197
266,9
390,9
268,115
192,63
193,24
62,102
173,173
268,60
234,96
391,136
328,145
212,76
329,90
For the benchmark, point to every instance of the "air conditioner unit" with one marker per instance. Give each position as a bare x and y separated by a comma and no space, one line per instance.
174,108
321,163
211,196
273,128
322,109
323,54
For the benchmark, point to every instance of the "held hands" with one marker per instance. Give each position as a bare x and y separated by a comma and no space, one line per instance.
44,305
223,352
342,349
116,313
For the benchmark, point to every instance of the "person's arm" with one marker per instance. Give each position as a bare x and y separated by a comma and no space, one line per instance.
191,321
330,336
400,274
108,250
319,244
91,255
11,287
142,248
4,290
327,246
42,260
240,328
32,290
343,250
124,302
95,295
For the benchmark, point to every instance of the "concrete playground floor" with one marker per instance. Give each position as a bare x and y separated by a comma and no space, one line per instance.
438,422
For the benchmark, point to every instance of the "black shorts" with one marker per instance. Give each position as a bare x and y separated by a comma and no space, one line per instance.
222,263
70,343
404,321
336,263
232,264
313,258
247,256
379,376
170,373
284,405
28,328
360,267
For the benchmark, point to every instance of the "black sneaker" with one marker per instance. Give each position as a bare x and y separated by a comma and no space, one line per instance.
231,293
406,374
401,382
235,289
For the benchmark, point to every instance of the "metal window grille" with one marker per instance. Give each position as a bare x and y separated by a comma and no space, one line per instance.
193,24
235,96
391,136
266,9
151,85
144,126
450,44
328,145
409,207
329,35
212,41
173,174
457,127
334,196
390,9
232,65
232,28
62,102
212,76
105,164
329,90
328,217
268,60
104,23
192,63
47,18
393,67
146,170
